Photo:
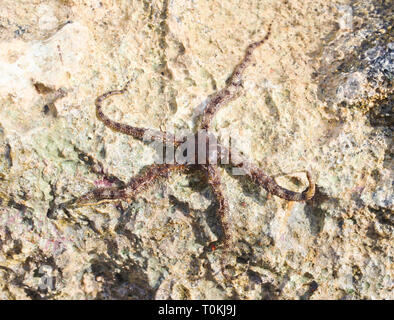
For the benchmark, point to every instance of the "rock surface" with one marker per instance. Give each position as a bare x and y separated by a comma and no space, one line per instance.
318,96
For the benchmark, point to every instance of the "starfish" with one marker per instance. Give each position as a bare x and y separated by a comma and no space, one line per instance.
206,156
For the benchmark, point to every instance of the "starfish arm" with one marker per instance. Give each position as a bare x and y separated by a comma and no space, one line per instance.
215,183
136,185
136,132
233,85
268,183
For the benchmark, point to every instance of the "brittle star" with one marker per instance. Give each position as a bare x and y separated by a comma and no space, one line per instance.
209,165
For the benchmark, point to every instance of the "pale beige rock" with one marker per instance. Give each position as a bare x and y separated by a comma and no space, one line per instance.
317,97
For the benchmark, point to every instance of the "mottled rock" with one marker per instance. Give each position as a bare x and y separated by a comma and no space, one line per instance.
318,96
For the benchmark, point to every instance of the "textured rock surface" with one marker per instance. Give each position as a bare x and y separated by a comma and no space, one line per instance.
318,96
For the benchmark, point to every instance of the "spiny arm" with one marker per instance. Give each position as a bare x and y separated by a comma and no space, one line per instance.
233,84
267,182
136,132
137,184
215,183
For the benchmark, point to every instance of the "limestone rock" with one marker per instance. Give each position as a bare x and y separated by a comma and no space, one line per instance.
318,96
